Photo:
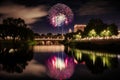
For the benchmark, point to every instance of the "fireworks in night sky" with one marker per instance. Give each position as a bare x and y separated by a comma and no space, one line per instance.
60,14
60,68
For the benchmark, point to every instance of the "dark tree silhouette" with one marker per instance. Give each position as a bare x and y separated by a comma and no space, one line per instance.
49,35
113,29
96,24
15,28
99,26
15,59
3,32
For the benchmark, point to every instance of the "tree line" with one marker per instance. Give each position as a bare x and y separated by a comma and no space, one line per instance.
95,28
15,28
48,35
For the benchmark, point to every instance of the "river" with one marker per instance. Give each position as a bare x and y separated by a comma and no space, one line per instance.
57,62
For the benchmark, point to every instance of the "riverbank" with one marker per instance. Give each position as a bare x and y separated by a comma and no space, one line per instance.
17,43
100,45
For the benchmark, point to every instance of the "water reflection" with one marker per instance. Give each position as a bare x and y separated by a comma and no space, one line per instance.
48,48
86,63
13,59
97,62
57,63
60,66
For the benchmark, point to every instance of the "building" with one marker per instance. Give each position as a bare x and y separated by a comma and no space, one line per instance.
79,27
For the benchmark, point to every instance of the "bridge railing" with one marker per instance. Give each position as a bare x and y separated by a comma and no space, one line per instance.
49,39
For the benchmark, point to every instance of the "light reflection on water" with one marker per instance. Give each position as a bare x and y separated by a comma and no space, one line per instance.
48,48
60,67
60,62
97,62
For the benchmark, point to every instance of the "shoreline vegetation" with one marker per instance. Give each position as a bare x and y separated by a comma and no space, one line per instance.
15,32
16,43
112,46
89,37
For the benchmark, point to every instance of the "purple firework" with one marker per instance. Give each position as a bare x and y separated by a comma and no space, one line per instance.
60,14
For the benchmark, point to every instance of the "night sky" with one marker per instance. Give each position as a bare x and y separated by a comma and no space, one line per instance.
35,12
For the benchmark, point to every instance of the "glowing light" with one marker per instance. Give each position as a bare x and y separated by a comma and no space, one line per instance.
58,63
60,68
59,20
60,14
75,61
48,48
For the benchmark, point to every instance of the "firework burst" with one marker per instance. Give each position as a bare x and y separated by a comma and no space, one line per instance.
60,14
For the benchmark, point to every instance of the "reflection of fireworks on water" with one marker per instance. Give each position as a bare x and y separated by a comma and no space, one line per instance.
60,68
60,14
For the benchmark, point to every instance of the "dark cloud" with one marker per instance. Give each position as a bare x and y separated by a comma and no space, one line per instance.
96,8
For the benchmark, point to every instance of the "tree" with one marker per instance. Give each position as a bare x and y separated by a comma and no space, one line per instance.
49,35
100,27
37,34
13,25
92,33
96,24
69,36
42,36
26,34
15,28
113,29
105,33
77,36
3,33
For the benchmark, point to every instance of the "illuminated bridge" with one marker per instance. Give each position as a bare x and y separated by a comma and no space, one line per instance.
48,41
